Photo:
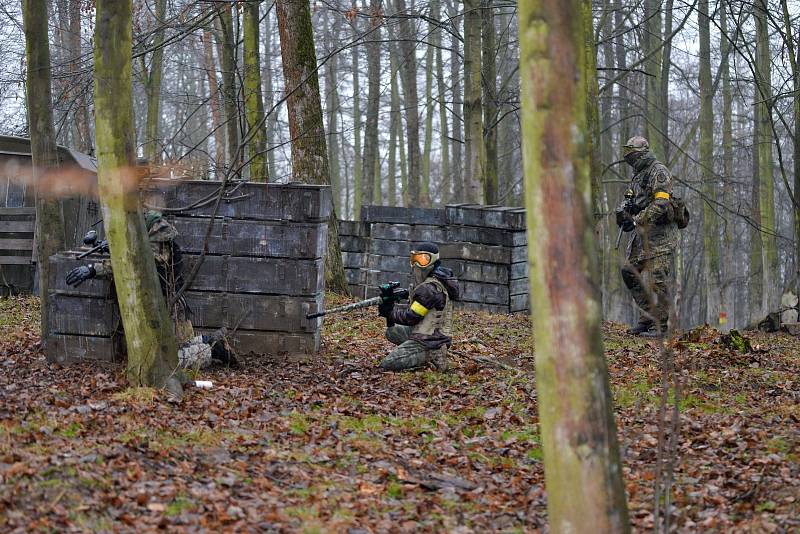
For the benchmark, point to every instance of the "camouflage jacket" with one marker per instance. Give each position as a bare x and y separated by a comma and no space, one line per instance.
169,264
656,233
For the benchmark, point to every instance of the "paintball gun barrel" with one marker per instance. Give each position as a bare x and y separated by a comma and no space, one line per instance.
389,292
90,240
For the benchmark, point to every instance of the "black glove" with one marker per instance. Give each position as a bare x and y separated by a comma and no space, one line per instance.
385,308
79,275
624,218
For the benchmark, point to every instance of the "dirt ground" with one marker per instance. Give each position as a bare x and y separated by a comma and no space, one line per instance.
334,445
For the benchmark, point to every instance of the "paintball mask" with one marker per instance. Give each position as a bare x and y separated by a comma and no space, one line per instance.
634,149
424,259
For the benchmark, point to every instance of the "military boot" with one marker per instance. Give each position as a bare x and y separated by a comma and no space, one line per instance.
656,331
439,360
643,326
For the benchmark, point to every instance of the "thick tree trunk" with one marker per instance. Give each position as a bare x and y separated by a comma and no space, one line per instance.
229,85
408,69
583,472
770,274
49,224
309,154
152,146
475,154
370,166
149,331
253,98
489,70
396,134
708,177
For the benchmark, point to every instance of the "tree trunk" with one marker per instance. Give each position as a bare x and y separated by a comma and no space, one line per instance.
309,156
770,274
794,56
149,331
666,64
651,38
396,126
370,168
475,155
583,472
444,142
253,98
332,108
457,180
425,183
358,171
708,178
269,102
729,271
49,224
489,69
214,99
408,77
229,85
152,147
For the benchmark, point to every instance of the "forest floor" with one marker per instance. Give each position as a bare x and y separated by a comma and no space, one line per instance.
337,446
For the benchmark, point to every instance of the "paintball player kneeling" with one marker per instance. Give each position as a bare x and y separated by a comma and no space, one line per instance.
194,352
422,329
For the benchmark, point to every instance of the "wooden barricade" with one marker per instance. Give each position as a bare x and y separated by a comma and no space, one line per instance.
263,269
485,246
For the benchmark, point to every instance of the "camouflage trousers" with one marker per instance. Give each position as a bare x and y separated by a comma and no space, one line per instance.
411,354
650,284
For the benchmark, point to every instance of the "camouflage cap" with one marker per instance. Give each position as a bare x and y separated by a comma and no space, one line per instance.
636,144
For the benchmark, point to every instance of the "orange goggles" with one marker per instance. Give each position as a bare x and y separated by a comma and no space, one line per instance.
421,259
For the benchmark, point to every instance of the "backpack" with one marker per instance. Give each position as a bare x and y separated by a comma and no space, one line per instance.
681,212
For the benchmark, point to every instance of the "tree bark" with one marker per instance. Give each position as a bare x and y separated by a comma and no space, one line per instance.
408,69
425,183
583,472
152,148
149,331
652,38
444,141
708,177
459,187
253,98
475,154
309,153
214,99
229,84
770,274
49,224
489,70
358,170
729,271
370,166
332,108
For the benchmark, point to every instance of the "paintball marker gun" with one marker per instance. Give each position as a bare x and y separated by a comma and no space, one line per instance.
90,240
626,206
389,292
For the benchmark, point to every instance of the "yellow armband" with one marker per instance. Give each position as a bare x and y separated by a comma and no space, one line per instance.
662,195
419,309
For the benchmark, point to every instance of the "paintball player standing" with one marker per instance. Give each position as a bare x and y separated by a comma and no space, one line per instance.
194,352
422,329
648,212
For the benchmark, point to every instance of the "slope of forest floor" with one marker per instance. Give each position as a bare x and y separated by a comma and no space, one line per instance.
334,445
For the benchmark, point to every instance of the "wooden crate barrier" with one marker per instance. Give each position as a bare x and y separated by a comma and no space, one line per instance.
486,246
262,273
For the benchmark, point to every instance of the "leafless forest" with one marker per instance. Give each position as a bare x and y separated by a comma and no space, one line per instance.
421,108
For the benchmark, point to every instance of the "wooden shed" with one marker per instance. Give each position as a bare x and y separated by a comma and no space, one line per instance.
18,214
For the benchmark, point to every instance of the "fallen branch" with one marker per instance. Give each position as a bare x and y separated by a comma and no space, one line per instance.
485,361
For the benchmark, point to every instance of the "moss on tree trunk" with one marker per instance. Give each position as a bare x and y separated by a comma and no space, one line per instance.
149,332
583,472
